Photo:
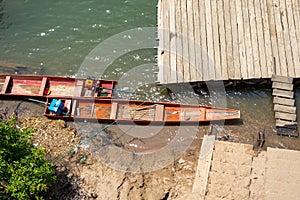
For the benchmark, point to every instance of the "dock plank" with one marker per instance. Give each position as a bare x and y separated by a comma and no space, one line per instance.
179,41
223,48
235,40
228,35
283,86
185,42
247,28
241,40
284,101
203,40
283,79
280,38
285,116
293,37
215,30
191,42
267,38
254,40
285,109
198,48
283,93
173,36
273,35
166,32
287,42
261,39
210,44
296,12
160,35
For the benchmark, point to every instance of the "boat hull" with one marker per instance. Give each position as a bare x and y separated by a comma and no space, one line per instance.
139,112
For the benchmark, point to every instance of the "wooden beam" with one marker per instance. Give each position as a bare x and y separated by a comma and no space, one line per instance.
166,52
43,86
228,36
191,41
198,47
210,43
273,36
223,48
254,40
280,39
283,86
284,101
216,41
74,106
283,93
293,36
173,36
285,116
114,110
248,45
285,109
180,36
235,41
159,113
267,38
287,42
260,39
241,40
283,79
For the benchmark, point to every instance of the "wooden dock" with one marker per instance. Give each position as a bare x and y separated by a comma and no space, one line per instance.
284,106
202,40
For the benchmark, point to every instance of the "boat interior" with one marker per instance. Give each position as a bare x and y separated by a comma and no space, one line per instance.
122,110
55,86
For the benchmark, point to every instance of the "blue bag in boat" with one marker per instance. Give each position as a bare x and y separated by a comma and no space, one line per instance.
56,106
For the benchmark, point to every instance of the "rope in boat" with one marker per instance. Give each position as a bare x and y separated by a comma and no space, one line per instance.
82,142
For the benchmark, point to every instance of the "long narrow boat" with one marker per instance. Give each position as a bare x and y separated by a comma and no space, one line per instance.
54,86
140,112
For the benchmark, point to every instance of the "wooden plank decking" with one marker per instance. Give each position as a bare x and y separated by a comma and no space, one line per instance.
201,40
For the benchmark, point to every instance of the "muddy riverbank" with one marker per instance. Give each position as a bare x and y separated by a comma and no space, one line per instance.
86,175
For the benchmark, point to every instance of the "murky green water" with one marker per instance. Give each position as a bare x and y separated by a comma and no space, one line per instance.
58,35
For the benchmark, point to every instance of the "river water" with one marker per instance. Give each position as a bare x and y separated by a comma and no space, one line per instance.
57,36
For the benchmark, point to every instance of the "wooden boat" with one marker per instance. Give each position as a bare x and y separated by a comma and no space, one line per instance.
54,86
140,112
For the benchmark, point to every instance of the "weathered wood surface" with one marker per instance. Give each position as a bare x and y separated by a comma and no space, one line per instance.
283,86
204,165
220,39
284,101
287,109
285,116
283,93
283,79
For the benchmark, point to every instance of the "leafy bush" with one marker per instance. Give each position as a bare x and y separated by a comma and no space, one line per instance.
24,173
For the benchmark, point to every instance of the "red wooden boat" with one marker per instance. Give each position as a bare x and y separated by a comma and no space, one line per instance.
140,112
54,86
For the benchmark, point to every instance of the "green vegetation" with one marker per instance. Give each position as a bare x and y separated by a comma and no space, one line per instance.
24,173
